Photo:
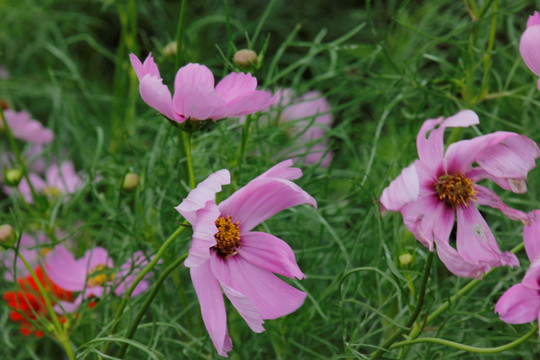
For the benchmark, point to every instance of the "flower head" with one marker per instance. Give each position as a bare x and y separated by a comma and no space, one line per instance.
195,97
529,45
25,128
442,188
28,246
521,303
227,255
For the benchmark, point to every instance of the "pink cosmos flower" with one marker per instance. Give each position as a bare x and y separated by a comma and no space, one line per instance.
25,128
59,180
195,97
521,303
227,255
92,274
529,45
442,188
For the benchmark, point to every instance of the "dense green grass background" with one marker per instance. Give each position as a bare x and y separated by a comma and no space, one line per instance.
385,67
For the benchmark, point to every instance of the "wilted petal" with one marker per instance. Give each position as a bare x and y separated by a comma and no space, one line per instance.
528,47
204,229
531,236
262,198
489,198
212,307
194,74
269,253
235,86
516,185
157,96
402,190
518,305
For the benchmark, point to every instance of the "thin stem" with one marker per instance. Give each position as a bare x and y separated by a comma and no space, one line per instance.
180,34
468,348
140,277
414,315
489,50
191,174
147,302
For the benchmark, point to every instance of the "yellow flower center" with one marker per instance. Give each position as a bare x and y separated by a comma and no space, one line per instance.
227,237
455,189
51,190
98,276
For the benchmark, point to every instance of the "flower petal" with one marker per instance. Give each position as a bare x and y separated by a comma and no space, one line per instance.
157,95
528,47
262,198
149,66
401,191
489,198
475,241
235,86
282,170
250,103
194,74
515,185
419,217
212,307
531,236
198,102
269,253
270,295
532,276
518,305
64,270
204,229
245,308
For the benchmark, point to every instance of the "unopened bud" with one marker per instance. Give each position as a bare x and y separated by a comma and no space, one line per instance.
3,104
7,235
405,259
245,58
13,177
170,49
131,181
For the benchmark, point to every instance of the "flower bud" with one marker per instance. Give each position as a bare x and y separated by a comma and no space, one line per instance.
13,177
245,58
7,235
405,259
131,181
170,49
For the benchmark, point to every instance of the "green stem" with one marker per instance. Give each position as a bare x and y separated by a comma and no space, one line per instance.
180,34
140,277
414,315
468,348
187,142
489,50
147,302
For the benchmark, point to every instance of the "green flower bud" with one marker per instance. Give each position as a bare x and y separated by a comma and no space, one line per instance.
245,58
131,181
7,235
13,177
405,259
170,49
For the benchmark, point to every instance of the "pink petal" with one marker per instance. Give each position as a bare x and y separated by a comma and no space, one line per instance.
95,257
282,170
515,185
148,68
245,308
157,96
528,47
250,103
198,102
212,307
235,86
475,242
532,276
24,188
25,128
68,307
204,229
316,155
194,74
531,236
271,296
419,217
64,178
64,270
269,253
518,305
430,150
204,192
402,190
511,158
262,198
533,19
489,198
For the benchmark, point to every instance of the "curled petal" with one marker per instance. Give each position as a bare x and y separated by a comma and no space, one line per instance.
489,198
245,308
270,253
420,216
516,185
402,190
212,307
528,47
531,236
204,229
518,305
149,66
533,19
194,74
282,170
532,276
235,86
157,95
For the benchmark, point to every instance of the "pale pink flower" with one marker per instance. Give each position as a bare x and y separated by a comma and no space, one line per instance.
227,255
195,97
441,188
25,128
129,272
61,180
521,303
4,74
529,45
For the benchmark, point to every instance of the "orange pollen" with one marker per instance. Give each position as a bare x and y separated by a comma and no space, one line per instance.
98,276
455,189
227,237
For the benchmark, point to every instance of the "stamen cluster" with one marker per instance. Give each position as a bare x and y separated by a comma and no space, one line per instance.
455,189
227,237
